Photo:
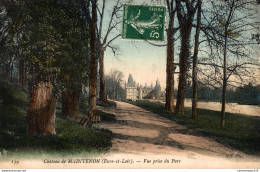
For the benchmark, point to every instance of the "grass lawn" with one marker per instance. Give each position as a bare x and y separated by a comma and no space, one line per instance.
242,132
70,140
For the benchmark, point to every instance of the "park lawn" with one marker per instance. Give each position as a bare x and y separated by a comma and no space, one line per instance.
242,132
70,139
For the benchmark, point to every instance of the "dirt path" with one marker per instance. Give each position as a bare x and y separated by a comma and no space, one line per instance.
141,132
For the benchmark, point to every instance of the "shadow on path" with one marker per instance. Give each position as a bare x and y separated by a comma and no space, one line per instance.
137,130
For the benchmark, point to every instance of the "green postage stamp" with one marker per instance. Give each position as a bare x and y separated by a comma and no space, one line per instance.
143,22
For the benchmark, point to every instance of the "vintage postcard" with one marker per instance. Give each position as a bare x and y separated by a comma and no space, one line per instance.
129,84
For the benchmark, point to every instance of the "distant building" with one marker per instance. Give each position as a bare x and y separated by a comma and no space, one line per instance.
154,92
140,92
146,90
158,93
134,91
157,86
131,89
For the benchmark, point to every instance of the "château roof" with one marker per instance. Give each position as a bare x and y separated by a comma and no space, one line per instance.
130,82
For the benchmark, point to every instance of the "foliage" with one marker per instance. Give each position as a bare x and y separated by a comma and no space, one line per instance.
236,21
70,140
231,28
114,84
53,40
246,94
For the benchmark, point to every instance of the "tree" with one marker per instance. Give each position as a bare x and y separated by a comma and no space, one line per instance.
93,65
107,38
185,15
247,94
114,82
169,105
234,24
53,36
41,42
170,68
11,29
228,31
194,69
74,65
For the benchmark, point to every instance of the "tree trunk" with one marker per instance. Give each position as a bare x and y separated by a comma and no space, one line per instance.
184,55
70,104
41,115
102,91
22,73
169,105
9,70
93,65
223,107
11,73
194,69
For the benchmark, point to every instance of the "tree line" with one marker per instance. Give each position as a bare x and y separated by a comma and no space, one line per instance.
54,48
247,94
224,36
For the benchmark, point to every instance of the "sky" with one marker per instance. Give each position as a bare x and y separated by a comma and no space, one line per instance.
144,61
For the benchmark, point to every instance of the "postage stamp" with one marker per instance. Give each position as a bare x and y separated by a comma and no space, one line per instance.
143,22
